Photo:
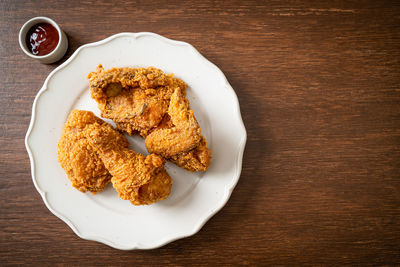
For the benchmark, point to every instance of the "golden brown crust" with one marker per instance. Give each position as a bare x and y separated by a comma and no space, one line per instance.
184,135
90,151
154,105
138,178
181,141
81,163
135,98
197,159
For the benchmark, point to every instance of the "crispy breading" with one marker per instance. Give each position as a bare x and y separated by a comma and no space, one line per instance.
81,163
91,152
184,135
136,99
153,104
197,159
181,141
138,178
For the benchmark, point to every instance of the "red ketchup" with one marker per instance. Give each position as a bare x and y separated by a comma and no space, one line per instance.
41,39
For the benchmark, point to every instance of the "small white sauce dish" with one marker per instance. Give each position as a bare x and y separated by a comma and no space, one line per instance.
54,55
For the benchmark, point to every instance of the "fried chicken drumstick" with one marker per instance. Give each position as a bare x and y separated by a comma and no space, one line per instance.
150,103
79,160
138,178
91,151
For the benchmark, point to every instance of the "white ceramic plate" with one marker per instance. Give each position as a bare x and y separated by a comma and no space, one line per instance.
195,197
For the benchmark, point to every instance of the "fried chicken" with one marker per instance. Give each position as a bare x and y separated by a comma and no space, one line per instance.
79,160
92,153
154,105
136,99
180,141
138,178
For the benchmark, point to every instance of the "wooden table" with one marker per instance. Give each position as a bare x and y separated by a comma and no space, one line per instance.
319,88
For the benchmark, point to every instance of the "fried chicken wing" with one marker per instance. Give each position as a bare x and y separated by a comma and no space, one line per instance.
184,135
197,159
181,140
138,178
153,104
79,160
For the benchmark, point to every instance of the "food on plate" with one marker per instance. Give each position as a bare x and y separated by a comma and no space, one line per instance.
179,139
136,99
148,102
82,164
138,178
93,153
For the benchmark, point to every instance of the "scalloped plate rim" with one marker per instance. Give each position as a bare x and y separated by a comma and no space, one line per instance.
135,245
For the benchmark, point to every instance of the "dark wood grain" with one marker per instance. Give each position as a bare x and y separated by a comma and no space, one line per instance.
319,88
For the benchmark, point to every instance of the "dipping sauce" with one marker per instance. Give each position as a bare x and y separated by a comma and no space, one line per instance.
41,39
